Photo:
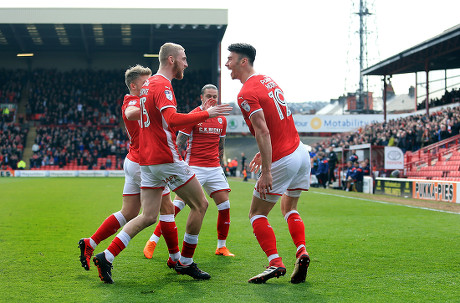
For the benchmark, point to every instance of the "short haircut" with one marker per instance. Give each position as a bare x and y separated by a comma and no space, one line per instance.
169,49
244,50
134,72
208,86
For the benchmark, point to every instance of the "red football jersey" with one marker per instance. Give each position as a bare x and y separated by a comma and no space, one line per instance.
157,140
260,92
203,142
132,128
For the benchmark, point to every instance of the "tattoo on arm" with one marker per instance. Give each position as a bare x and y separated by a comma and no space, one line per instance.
221,151
181,142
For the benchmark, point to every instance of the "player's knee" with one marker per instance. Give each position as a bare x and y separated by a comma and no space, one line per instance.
203,206
148,219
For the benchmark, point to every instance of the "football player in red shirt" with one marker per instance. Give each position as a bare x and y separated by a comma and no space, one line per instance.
134,79
283,160
162,165
203,146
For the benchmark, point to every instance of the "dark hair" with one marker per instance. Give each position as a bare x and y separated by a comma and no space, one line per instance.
244,50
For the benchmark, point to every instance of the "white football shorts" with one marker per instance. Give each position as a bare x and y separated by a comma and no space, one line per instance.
211,178
133,179
172,175
291,175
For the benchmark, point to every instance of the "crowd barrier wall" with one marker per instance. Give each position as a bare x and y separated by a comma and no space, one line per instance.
62,173
433,190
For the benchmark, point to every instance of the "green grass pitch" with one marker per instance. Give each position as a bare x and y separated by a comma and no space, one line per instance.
361,251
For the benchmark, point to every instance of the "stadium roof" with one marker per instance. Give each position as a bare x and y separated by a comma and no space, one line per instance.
88,30
438,53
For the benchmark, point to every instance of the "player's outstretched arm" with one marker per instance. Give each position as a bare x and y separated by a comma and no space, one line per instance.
219,110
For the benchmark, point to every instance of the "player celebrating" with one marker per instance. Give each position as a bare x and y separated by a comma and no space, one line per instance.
283,160
134,78
204,153
162,165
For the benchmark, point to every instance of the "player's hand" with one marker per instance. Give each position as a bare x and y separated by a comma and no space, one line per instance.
209,103
264,184
256,164
219,110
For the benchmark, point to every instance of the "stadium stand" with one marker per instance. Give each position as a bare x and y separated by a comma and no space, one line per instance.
12,144
77,116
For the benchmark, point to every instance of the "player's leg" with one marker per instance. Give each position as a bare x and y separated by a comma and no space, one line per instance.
169,229
266,237
155,237
130,209
297,231
193,195
223,222
215,184
289,201
150,200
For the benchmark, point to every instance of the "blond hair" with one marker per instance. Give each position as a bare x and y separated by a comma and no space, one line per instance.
169,49
134,72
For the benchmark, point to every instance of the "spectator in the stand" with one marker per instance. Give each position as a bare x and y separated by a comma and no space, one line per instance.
426,137
353,157
348,182
233,165
323,168
21,165
243,161
108,163
357,175
332,161
418,137
366,167
443,133
455,126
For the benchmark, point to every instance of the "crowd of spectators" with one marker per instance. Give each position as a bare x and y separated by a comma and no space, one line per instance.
81,145
409,133
81,97
449,97
79,113
12,143
11,83
87,97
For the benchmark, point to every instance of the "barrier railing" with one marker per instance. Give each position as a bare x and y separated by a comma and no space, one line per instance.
435,151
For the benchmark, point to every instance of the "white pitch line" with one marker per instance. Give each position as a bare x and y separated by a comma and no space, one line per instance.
389,203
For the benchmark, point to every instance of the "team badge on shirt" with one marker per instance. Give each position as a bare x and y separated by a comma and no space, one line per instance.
219,120
132,102
245,105
169,95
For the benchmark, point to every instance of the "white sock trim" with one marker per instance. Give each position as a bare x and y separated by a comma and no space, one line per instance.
109,256
154,238
121,219
221,243
190,239
185,261
223,205
175,257
257,217
271,257
286,217
167,218
92,243
124,237
300,247
179,204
